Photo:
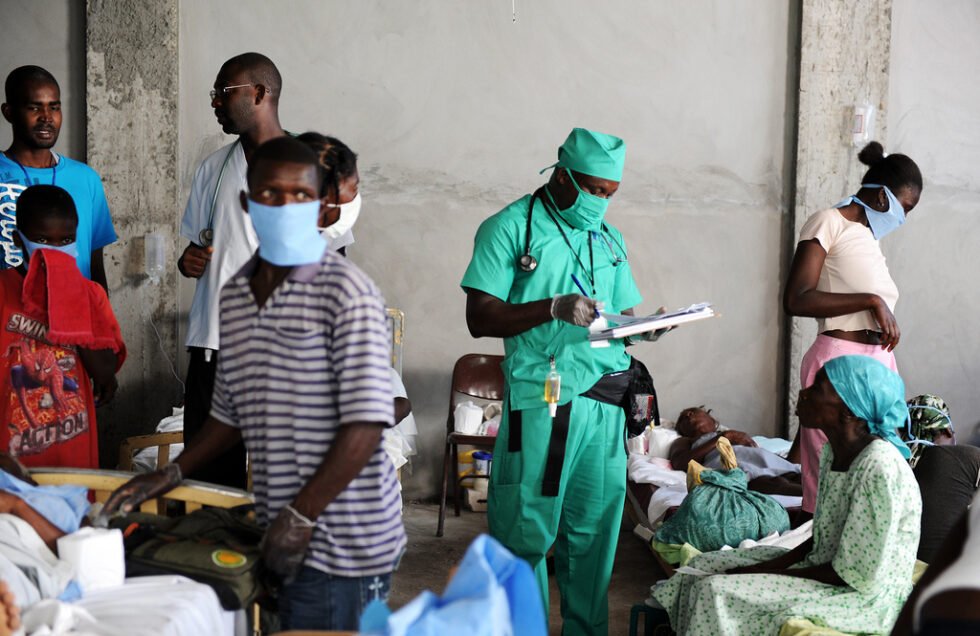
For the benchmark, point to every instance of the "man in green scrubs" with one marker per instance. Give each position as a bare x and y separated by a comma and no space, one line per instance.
558,480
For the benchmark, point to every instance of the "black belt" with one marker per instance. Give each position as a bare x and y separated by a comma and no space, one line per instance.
556,445
610,389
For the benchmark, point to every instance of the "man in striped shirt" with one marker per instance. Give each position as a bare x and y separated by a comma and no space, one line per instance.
304,380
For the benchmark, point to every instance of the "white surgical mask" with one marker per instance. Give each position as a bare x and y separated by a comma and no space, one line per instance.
348,216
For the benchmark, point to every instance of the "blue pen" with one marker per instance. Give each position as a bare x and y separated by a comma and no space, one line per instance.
578,284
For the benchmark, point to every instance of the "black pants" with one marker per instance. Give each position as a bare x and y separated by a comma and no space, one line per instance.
229,468
941,627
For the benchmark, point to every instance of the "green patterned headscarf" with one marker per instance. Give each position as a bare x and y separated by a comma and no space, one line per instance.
930,417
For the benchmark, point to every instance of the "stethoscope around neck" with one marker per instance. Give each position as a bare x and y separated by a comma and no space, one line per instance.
527,263
207,234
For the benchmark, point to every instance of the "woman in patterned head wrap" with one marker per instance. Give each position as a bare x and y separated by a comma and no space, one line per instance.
931,425
947,473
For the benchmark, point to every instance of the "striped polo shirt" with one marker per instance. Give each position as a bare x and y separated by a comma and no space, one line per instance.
315,358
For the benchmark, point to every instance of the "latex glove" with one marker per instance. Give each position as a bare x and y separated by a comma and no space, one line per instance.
285,543
651,336
130,495
573,308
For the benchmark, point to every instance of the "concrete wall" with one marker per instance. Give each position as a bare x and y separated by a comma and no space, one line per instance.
832,79
132,110
933,118
49,33
454,108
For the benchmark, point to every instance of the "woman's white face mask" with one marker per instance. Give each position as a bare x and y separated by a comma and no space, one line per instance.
348,216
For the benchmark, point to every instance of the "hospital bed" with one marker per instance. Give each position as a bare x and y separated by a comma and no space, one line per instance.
654,490
653,494
101,483
177,606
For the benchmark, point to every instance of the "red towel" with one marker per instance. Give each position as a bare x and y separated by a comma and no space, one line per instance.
76,310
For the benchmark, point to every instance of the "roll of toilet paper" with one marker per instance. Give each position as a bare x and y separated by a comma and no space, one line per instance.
97,556
467,418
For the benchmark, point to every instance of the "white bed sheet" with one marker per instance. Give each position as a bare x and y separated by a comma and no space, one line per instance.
672,486
150,606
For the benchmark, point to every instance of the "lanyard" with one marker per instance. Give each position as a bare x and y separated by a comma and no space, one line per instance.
589,273
27,177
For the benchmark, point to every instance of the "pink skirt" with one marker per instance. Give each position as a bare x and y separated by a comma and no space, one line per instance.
823,349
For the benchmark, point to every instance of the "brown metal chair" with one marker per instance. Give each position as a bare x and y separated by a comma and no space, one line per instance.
476,376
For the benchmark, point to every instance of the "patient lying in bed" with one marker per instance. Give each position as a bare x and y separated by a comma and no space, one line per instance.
35,579
767,472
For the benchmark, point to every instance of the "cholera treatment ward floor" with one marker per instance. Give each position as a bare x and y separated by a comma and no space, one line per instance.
429,558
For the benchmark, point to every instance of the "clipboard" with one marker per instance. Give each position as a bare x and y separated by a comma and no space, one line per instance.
631,325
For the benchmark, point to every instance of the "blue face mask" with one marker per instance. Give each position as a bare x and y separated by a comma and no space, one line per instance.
30,247
588,210
883,223
288,234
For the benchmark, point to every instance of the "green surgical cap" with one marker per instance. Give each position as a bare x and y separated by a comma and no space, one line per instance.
593,153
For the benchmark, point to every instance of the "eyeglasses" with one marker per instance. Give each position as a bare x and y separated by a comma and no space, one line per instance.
221,92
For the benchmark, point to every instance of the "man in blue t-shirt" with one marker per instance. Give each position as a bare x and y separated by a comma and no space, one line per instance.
33,108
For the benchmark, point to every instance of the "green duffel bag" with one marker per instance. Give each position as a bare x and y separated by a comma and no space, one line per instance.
214,546
723,511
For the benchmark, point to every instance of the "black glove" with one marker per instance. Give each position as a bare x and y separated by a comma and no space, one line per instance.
574,309
130,495
285,543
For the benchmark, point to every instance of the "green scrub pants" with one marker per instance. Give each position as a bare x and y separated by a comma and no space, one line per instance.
582,522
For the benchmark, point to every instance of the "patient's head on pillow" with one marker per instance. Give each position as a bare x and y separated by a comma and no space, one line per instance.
695,421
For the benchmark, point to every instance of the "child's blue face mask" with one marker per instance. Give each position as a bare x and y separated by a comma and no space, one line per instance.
30,247
288,234
883,223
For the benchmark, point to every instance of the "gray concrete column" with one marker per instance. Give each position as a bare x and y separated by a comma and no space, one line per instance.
844,60
132,84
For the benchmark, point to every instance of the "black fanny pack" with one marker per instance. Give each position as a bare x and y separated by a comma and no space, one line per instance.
632,390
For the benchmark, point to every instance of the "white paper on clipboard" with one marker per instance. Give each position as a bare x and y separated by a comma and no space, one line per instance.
631,325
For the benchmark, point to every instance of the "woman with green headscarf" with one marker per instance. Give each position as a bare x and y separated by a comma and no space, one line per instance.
930,425
855,572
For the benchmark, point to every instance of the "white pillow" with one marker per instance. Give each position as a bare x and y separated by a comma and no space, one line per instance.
659,441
